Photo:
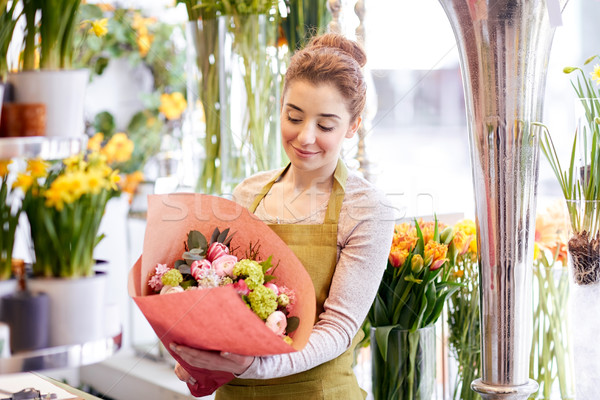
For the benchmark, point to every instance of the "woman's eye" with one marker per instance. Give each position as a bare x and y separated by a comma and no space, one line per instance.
326,128
293,120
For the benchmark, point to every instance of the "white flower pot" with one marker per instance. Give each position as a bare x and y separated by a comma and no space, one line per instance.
63,93
77,308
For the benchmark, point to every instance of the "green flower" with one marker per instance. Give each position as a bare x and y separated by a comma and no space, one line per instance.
172,278
262,301
250,271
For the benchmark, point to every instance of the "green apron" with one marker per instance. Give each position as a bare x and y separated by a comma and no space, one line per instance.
316,247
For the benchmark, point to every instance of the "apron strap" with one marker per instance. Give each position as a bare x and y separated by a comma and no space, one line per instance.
336,198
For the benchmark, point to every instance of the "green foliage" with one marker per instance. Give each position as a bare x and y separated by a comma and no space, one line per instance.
580,182
304,20
9,219
58,21
8,20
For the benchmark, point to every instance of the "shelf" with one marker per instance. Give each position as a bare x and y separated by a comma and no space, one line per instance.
48,148
61,356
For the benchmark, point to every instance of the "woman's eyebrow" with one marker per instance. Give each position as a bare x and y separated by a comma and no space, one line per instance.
320,115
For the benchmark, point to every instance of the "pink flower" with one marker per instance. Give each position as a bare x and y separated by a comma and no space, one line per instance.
224,265
273,287
155,281
289,293
197,267
241,287
216,250
277,322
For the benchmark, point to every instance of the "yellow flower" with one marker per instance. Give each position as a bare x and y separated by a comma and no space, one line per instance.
23,181
4,167
428,228
118,149
75,163
130,183
95,142
435,254
96,182
596,74
37,167
467,226
99,27
144,43
172,105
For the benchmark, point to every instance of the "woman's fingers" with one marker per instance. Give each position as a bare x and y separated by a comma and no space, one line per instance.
217,361
183,375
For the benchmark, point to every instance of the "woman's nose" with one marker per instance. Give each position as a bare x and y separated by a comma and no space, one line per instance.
306,134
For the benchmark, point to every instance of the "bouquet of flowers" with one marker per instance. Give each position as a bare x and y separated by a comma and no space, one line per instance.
209,265
244,292
411,297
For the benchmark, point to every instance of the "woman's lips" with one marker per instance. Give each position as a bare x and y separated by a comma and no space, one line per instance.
304,153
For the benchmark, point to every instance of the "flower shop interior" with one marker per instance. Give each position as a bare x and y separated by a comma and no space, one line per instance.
137,118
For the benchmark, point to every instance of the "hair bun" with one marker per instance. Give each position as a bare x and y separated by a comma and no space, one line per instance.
339,42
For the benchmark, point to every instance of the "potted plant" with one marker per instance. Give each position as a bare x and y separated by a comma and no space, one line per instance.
50,27
580,184
64,203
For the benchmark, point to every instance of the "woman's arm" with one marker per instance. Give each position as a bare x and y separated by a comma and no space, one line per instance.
365,235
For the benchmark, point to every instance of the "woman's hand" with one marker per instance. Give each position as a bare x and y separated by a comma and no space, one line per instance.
213,360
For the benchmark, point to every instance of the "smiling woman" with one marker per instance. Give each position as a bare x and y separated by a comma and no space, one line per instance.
336,223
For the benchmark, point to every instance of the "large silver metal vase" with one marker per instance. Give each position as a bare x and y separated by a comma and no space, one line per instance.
504,47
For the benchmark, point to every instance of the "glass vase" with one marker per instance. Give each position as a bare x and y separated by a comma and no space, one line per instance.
403,363
204,118
249,96
550,361
584,300
464,337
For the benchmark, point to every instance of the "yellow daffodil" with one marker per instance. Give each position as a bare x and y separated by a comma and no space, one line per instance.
23,182
37,167
4,167
99,27
596,74
95,142
96,182
172,105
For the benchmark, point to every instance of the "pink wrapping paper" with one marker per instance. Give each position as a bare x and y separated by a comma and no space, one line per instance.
215,319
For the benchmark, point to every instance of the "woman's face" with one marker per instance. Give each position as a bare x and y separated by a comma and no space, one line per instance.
314,123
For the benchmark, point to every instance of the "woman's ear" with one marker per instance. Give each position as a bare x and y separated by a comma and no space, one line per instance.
353,128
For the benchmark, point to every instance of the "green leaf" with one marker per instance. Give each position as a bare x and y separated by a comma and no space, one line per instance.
215,235
382,334
266,264
196,240
105,122
292,324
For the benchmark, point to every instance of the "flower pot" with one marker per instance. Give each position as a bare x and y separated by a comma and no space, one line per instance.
403,364
584,299
77,308
23,119
1,100
63,93
7,287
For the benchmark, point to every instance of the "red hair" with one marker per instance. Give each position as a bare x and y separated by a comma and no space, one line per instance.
332,59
